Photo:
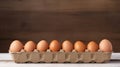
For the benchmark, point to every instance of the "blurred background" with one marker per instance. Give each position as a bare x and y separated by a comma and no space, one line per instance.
73,20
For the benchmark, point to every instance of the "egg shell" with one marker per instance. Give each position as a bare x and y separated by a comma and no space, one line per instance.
67,46
16,46
105,45
54,46
42,45
29,46
92,46
79,46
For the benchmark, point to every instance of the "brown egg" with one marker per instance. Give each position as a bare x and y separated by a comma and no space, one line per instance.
105,45
67,46
42,45
16,46
92,46
54,46
79,46
29,46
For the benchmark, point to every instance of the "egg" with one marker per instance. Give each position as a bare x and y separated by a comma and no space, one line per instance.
105,45
92,46
16,46
79,46
29,46
42,45
54,46
67,46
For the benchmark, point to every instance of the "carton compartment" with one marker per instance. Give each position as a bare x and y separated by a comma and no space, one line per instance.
61,57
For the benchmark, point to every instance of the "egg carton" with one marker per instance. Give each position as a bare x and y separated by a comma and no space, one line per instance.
61,57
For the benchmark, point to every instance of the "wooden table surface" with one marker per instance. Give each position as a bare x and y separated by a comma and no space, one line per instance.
6,61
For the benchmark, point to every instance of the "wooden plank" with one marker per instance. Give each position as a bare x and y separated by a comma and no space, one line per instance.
59,21
61,36
60,5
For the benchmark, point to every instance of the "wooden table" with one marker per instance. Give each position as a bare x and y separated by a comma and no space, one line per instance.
6,61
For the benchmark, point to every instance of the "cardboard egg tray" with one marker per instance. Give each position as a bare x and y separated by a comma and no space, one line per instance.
61,57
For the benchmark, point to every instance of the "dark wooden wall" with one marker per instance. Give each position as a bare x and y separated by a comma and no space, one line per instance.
84,20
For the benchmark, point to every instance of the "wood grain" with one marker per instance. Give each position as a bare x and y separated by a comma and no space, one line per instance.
60,5
84,20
